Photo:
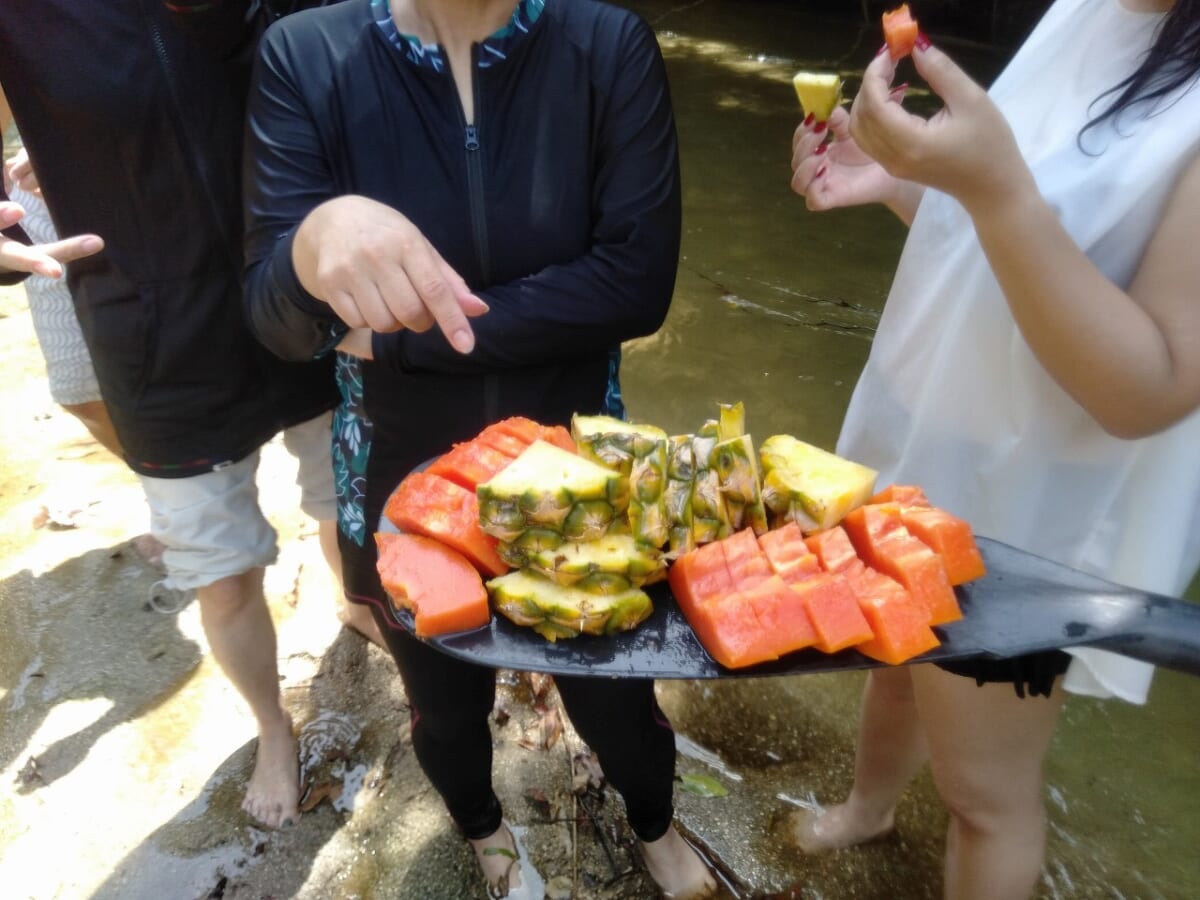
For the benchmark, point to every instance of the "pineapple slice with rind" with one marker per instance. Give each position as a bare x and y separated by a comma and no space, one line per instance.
811,486
681,472
550,489
737,469
610,564
709,519
640,453
564,611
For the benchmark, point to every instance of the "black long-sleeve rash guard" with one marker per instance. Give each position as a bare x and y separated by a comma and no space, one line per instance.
559,204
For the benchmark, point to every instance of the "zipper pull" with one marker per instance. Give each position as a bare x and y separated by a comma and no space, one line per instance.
472,142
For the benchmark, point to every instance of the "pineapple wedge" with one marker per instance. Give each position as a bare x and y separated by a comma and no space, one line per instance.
737,471
709,519
557,611
614,563
811,486
640,453
819,93
554,494
681,471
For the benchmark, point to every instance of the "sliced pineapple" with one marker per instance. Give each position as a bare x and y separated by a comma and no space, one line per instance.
558,611
819,93
612,564
681,472
549,490
811,486
640,453
737,471
731,422
709,519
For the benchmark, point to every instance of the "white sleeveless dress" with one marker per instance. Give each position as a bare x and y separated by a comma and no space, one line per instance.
952,398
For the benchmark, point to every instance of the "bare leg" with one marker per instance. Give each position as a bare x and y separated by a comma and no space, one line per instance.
891,749
352,615
986,750
677,868
239,629
95,418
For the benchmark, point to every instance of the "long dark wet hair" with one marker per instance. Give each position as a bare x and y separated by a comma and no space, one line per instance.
1172,62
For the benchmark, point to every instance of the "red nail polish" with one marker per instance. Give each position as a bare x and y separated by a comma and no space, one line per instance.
821,126
808,120
882,50
903,86
820,172
820,150
922,42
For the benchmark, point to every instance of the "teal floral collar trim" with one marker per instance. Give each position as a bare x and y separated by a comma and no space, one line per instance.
493,50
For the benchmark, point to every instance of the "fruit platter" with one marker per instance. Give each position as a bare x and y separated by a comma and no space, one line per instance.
613,549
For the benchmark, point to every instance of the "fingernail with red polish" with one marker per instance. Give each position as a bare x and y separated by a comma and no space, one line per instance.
922,42
820,172
820,150
882,50
821,126
808,120
903,86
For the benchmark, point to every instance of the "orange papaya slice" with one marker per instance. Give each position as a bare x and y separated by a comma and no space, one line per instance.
430,505
440,585
783,616
900,625
834,550
789,555
948,536
900,31
878,534
469,464
904,495
745,560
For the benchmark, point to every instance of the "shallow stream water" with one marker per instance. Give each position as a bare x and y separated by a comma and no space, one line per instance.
775,307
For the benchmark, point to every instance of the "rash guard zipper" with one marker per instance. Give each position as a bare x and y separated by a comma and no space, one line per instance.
475,173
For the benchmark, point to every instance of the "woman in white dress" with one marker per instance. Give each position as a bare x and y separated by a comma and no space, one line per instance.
1036,370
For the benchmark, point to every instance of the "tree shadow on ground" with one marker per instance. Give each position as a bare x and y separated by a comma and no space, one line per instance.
82,631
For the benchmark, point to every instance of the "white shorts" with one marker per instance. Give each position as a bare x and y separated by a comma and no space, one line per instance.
212,525
68,364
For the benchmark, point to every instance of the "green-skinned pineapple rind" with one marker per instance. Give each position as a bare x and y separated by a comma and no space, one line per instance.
549,487
612,442
564,612
811,486
619,556
738,473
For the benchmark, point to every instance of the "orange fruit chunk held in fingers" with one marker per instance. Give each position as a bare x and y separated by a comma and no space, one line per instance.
900,31
440,585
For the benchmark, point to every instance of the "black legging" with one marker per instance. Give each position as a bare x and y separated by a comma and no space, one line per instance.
451,701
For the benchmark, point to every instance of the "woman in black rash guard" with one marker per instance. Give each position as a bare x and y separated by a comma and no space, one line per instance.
510,175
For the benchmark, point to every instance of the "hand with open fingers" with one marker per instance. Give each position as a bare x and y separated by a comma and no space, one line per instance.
835,173
966,149
377,270
19,171
40,259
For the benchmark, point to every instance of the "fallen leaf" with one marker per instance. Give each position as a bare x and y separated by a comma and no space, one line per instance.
702,785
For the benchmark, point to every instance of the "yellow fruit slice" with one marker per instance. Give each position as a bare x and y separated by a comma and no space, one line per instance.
819,93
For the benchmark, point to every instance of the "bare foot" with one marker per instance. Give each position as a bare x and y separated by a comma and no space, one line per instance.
677,869
359,618
273,794
499,860
819,830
